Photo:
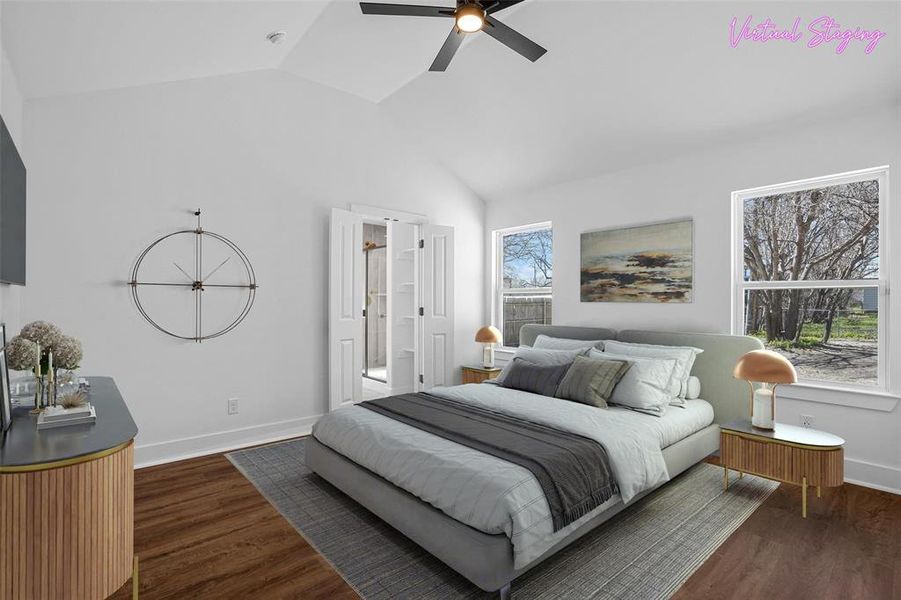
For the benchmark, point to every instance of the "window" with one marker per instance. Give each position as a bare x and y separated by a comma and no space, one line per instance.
810,275
523,278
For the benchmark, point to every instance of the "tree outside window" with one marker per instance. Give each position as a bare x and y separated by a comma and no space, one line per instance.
525,276
809,281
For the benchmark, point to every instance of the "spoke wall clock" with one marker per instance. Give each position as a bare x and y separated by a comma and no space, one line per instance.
193,284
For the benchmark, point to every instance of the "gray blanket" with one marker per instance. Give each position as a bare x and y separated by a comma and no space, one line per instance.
573,471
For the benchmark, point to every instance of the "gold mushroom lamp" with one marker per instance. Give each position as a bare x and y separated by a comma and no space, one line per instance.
488,335
767,369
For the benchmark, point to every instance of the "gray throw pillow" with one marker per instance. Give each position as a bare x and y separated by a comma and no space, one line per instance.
531,377
591,380
541,356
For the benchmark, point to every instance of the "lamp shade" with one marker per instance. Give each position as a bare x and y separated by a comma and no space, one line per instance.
765,366
488,335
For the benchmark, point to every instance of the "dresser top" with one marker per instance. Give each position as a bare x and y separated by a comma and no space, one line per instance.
789,434
23,445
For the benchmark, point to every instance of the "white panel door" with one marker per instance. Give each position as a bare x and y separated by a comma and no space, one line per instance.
403,307
345,331
437,292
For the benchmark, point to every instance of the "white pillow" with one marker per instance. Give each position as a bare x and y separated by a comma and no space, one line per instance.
540,356
683,355
694,388
554,343
645,386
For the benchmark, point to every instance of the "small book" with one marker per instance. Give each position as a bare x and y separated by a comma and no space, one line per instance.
75,419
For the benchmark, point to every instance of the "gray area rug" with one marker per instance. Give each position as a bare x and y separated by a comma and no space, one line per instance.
648,551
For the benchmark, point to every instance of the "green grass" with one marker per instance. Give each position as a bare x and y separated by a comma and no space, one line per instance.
857,326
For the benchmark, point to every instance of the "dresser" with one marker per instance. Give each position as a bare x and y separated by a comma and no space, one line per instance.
67,504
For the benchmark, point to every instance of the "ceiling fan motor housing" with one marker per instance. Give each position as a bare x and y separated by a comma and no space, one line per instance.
470,17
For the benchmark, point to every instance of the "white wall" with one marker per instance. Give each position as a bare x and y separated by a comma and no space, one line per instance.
11,107
265,155
699,186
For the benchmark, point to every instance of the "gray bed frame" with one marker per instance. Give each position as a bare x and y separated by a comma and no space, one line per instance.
487,560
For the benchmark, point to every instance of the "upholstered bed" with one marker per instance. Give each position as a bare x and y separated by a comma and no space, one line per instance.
433,490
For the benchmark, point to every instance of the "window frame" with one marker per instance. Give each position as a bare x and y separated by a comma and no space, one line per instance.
881,282
497,288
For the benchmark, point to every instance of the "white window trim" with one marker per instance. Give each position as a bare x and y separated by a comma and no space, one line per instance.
815,390
497,309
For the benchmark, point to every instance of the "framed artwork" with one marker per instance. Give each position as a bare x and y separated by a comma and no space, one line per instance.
644,263
5,401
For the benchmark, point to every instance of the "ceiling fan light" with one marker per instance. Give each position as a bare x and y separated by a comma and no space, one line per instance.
470,18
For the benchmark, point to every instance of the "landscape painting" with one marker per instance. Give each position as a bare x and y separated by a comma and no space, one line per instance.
646,263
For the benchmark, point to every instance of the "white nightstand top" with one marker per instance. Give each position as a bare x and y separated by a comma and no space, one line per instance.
787,433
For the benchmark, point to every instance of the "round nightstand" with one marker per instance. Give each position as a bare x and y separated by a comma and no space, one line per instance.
789,454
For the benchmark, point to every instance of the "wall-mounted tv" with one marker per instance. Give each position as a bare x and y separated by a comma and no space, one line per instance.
12,210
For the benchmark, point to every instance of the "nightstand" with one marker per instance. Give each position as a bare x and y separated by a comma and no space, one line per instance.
789,454
479,374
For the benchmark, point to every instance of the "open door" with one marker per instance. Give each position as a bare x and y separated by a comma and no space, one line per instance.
345,331
403,307
437,322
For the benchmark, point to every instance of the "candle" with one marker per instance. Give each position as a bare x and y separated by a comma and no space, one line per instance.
51,379
763,408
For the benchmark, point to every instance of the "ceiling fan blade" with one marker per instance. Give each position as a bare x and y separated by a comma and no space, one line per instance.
513,39
448,50
405,10
500,5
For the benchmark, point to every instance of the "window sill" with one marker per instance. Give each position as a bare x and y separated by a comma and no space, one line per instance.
852,397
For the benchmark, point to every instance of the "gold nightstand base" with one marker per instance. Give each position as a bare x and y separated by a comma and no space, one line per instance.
804,486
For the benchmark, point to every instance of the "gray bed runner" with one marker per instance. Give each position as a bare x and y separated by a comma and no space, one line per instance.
573,471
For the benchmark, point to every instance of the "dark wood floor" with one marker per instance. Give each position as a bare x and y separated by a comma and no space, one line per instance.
849,547
203,531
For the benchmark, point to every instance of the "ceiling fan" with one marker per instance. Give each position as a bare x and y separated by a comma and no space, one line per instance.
470,16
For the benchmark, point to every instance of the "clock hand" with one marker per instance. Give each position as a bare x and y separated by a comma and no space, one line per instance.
217,268
191,279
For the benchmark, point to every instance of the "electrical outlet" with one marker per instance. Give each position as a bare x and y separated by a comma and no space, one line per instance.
806,421
232,406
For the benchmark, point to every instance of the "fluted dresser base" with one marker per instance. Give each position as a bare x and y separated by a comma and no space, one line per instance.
67,529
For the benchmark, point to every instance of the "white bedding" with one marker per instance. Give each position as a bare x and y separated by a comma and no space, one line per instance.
493,495
678,422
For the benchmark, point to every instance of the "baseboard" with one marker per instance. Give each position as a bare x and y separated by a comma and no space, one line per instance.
873,475
148,455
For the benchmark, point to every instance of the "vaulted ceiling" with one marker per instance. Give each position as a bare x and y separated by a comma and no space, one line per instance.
623,82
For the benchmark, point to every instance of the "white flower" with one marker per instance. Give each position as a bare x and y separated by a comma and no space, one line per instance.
67,353
22,354
44,333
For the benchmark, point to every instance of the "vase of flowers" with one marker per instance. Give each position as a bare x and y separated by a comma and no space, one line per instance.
42,347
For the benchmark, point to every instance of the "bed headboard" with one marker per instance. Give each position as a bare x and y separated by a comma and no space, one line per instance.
529,332
729,396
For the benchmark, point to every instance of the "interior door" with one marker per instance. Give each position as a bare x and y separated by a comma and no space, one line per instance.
345,331
403,307
437,293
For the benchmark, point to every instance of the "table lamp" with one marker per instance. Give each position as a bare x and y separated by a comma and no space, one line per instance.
489,336
769,369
